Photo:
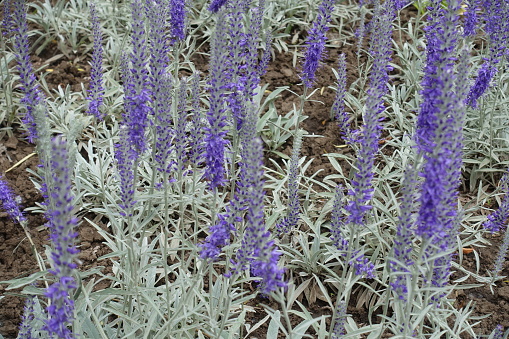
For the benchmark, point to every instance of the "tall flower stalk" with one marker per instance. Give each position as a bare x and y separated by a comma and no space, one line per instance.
315,43
62,225
257,249
289,222
361,191
32,95
96,89
137,96
439,137
215,141
178,19
497,221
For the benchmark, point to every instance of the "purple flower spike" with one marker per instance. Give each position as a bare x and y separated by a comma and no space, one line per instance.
257,249
368,136
215,142
7,21
137,84
496,16
32,95
269,274
96,90
338,107
126,159
197,123
339,322
177,19
497,220
219,237
9,202
315,42
471,19
439,137
402,248
25,330
337,223
292,217
486,74
498,332
62,224
216,5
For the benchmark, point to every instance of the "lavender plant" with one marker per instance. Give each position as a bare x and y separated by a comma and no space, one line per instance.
177,172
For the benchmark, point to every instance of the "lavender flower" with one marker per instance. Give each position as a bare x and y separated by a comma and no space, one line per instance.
62,224
137,84
216,5
197,123
219,237
9,202
502,253
316,42
126,159
471,19
496,16
338,107
215,133
442,109
497,220
401,258
32,95
7,21
355,258
159,57
253,69
96,90
180,140
290,221
264,62
498,332
257,249
161,83
266,269
163,124
25,329
177,19
362,30
362,265
338,330
337,223
240,72
362,190
439,138
485,75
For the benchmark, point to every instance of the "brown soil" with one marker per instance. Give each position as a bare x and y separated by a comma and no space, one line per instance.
17,259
